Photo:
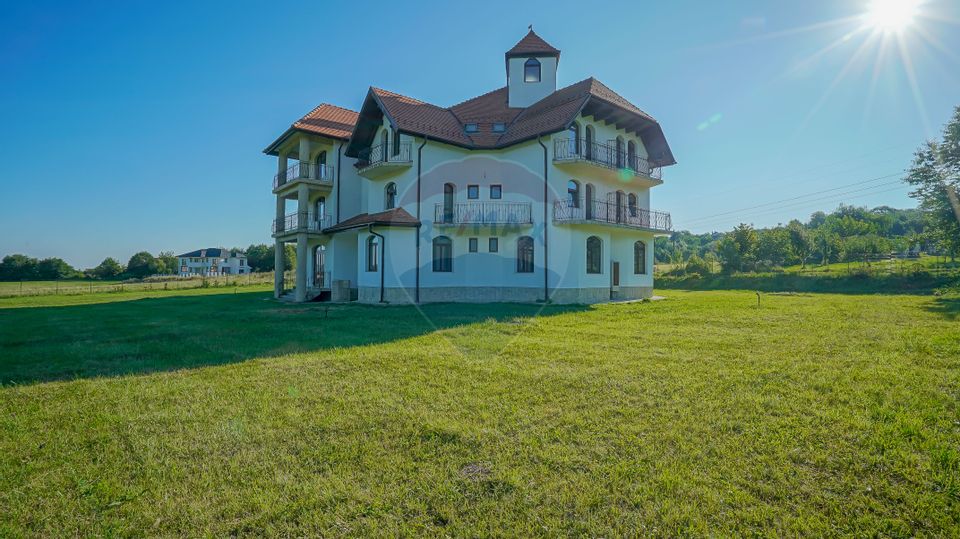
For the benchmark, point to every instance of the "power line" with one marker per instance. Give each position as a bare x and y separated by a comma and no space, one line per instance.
838,197
813,193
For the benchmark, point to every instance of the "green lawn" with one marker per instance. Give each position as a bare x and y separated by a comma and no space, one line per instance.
218,413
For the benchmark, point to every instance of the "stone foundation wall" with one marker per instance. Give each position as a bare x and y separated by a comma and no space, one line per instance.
493,294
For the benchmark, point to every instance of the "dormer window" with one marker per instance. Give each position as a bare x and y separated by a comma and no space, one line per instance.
499,127
531,70
471,128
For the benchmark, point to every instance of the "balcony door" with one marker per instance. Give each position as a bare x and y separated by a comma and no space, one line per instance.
448,203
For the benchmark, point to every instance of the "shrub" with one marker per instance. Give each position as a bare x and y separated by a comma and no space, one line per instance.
697,265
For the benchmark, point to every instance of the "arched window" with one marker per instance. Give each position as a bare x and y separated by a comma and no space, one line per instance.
621,213
390,196
373,253
448,190
589,202
396,143
594,255
574,144
384,145
632,204
319,267
525,254
640,258
442,254
619,152
588,142
632,155
531,70
573,194
321,173
321,210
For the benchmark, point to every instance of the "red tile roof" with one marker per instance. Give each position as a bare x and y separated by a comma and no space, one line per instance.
394,217
531,45
328,120
415,116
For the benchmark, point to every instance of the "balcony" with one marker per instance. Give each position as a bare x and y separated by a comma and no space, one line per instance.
384,160
609,213
483,213
320,175
300,222
578,155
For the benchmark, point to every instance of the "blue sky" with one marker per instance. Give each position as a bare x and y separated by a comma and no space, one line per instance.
129,126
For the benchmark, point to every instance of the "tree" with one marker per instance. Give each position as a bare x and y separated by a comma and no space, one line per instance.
738,249
167,263
935,176
773,246
110,268
142,265
800,242
260,257
18,267
51,269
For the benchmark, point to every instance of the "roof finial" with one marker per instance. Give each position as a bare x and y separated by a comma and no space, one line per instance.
530,27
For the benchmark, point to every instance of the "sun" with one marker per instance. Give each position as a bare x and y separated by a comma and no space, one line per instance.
891,15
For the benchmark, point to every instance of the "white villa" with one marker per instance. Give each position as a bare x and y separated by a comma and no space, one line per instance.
211,262
525,193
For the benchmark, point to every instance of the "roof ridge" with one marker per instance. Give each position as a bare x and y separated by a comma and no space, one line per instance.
479,96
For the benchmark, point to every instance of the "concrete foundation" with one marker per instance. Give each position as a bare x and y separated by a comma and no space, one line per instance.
491,294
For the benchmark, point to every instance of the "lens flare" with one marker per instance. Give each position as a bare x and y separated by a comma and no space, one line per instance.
891,15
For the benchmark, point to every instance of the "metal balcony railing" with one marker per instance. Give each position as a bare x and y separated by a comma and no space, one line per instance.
603,155
321,279
611,213
305,171
484,213
385,153
301,222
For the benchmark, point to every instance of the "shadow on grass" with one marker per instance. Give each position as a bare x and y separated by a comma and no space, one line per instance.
39,344
947,306
791,282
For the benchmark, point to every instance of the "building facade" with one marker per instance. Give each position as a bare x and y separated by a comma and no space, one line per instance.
525,193
211,262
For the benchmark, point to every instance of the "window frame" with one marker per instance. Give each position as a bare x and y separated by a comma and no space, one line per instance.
442,261
499,189
525,254
390,196
528,66
639,262
493,245
471,127
373,254
498,127
597,243
475,188
473,245
573,193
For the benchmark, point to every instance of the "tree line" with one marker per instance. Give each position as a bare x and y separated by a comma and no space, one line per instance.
849,233
19,267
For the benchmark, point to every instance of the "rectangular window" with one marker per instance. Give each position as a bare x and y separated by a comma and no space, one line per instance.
472,128
473,192
499,127
474,245
496,192
442,254
493,245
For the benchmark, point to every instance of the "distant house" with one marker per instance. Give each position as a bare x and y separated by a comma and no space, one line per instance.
213,261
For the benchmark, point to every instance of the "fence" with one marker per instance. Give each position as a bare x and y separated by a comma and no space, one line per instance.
50,288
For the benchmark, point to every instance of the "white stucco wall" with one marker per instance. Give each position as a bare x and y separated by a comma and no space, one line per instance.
524,94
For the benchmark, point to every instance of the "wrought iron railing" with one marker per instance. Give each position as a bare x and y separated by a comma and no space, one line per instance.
484,213
604,155
305,171
384,153
611,213
301,222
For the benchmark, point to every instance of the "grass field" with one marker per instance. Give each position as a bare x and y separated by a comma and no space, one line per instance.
82,286
214,413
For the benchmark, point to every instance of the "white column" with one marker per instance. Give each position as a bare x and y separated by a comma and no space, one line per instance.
303,203
281,164
305,158
311,260
278,269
